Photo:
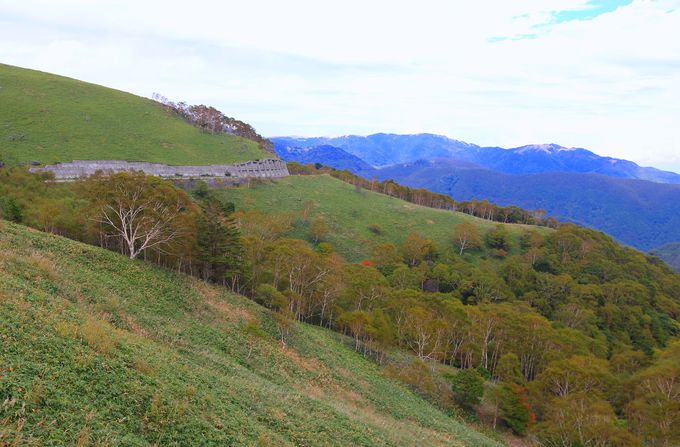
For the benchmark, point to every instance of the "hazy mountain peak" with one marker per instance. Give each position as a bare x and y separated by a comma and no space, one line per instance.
546,148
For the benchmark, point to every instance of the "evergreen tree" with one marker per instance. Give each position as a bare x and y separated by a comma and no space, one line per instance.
219,245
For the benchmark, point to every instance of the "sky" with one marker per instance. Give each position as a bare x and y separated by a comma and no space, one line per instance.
599,74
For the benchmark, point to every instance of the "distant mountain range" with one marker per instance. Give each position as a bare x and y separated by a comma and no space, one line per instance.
637,205
380,150
332,156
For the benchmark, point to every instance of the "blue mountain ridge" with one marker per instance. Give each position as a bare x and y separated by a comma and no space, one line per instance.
381,149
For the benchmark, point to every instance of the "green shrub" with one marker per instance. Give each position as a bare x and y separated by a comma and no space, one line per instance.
468,388
514,407
375,229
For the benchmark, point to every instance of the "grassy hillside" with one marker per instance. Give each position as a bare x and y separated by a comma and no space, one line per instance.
99,350
49,118
350,213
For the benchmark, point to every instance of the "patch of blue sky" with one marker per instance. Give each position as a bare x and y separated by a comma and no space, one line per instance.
593,9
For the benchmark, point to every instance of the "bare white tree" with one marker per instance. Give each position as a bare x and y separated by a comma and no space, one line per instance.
466,236
141,217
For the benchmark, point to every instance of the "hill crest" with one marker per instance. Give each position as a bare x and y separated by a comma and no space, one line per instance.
49,118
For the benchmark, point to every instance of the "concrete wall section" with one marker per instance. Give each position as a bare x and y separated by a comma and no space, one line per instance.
269,168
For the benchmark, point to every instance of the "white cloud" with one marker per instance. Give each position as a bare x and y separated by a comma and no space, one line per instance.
304,67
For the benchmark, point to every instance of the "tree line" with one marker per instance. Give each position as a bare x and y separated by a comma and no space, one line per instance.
211,120
567,337
420,196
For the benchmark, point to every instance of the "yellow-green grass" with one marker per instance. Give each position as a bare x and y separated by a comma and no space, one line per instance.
49,118
349,214
100,350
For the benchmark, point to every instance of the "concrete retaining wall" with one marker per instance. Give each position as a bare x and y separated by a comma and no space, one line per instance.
269,168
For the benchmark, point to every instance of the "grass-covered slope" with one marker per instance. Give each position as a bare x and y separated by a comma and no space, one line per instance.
99,350
49,118
349,213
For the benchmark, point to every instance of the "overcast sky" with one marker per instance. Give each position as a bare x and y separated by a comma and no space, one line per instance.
604,75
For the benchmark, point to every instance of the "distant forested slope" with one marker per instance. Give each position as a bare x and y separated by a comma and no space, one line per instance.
638,213
670,253
333,157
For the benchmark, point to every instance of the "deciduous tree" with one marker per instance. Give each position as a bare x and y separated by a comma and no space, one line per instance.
142,212
416,248
466,236
318,228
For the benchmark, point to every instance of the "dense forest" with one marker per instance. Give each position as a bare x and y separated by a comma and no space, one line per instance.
571,342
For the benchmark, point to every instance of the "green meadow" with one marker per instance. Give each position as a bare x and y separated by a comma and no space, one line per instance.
49,118
350,214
